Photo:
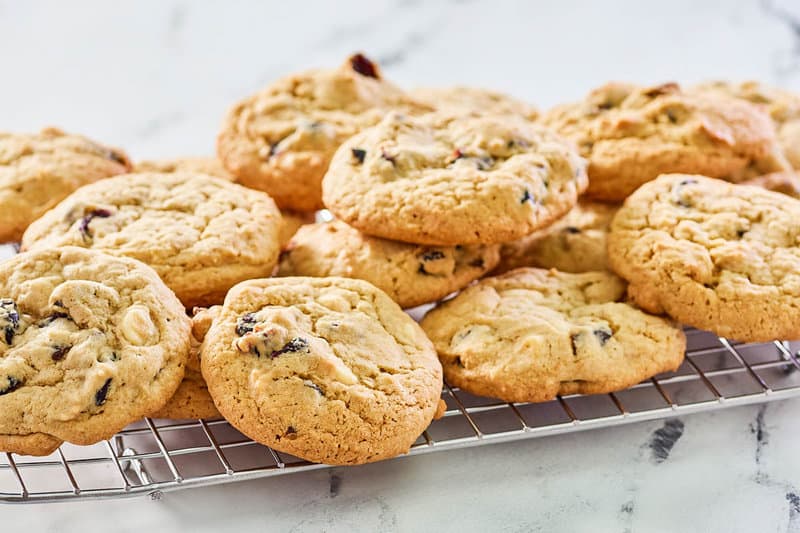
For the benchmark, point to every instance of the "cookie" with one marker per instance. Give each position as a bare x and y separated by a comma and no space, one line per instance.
281,139
783,182
531,334
90,344
782,105
574,243
38,170
328,369
192,399
713,255
631,135
201,234
410,274
446,180
292,221
198,165
465,100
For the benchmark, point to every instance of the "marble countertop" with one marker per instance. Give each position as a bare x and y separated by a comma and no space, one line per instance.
155,77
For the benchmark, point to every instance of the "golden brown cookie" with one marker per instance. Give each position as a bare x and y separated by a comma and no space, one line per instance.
631,135
531,334
446,180
328,369
782,105
410,274
89,344
38,170
292,221
574,243
465,100
192,399
713,255
201,234
281,139
198,165
783,182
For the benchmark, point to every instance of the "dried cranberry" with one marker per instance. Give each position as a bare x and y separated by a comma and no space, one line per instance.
295,345
245,324
84,225
603,334
359,154
12,385
364,66
102,393
60,351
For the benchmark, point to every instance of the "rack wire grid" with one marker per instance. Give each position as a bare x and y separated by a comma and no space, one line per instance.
153,456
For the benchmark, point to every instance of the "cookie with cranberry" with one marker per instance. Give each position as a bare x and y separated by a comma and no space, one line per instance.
39,170
328,369
632,134
445,179
574,243
89,344
782,105
281,139
712,255
532,334
201,234
410,274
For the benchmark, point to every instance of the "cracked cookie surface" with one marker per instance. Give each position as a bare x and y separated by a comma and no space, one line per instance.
631,135
201,234
89,344
281,139
328,369
782,105
530,334
447,180
713,255
410,274
460,100
38,170
574,243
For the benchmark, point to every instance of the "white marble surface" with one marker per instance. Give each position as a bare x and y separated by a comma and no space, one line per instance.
156,76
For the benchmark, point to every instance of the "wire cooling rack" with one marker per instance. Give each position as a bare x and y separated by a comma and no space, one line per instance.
154,456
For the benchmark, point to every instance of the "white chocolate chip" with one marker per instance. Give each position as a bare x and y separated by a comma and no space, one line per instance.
137,326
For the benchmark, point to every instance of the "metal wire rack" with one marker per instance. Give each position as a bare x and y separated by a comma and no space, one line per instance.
154,456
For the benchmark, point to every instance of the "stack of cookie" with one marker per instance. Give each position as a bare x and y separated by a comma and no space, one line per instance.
201,287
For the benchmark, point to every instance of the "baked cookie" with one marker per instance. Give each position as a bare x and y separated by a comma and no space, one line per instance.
201,234
38,170
410,274
574,243
465,100
716,256
783,182
328,369
292,221
198,165
782,105
447,180
531,334
631,135
192,399
281,139
90,344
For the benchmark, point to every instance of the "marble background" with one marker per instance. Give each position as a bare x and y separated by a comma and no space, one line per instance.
155,77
